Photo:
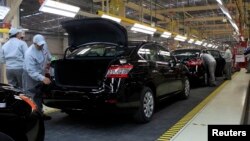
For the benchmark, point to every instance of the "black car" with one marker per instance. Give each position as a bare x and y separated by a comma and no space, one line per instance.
19,117
219,60
191,58
102,68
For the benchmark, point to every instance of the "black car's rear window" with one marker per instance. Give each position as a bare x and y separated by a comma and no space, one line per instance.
186,54
214,53
97,50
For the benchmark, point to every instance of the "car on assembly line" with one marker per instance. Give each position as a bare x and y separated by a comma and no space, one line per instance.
191,58
197,70
220,61
101,67
19,117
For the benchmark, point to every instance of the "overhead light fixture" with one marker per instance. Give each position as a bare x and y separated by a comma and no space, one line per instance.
198,42
144,29
59,8
209,45
180,38
111,18
190,41
205,44
166,34
220,2
225,11
3,12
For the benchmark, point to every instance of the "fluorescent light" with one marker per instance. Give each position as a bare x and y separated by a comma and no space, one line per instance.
136,25
3,11
220,2
209,45
111,18
180,38
166,34
144,51
205,44
142,28
225,11
59,8
190,41
198,42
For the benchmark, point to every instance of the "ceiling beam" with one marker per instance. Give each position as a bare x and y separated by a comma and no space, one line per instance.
218,33
98,1
13,10
193,8
146,11
203,19
211,25
199,19
87,14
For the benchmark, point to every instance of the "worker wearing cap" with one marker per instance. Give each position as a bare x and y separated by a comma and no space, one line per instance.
46,53
12,54
34,72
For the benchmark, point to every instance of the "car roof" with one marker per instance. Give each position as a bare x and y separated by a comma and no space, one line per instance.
188,49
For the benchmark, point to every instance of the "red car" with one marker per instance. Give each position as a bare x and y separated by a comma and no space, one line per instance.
197,72
191,58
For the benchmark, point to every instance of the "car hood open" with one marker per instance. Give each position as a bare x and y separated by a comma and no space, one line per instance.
82,31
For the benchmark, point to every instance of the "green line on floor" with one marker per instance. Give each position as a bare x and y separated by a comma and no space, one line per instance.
182,122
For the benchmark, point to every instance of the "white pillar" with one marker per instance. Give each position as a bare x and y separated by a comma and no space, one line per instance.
13,18
65,43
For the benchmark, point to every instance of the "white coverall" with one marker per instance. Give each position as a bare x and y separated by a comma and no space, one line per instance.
210,64
12,54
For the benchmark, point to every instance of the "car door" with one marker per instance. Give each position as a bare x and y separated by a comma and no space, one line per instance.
154,75
169,70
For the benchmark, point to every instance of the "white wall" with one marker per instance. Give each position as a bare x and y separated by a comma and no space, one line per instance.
55,43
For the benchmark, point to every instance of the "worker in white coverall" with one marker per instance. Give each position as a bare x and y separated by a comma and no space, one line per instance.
228,67
12,54
34,72
210,64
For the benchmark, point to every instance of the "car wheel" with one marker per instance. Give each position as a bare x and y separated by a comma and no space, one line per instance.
186,89
41,131
35,128
146,108
5,137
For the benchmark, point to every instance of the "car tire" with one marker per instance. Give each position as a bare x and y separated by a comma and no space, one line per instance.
41,131
5,137
146,106
186,89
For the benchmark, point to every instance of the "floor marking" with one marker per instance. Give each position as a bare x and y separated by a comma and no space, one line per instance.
171,132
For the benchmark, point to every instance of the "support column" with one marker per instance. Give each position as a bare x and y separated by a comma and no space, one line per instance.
13,18
65,43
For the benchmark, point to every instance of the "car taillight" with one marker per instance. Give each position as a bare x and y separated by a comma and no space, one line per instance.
194,62
119,71
29,101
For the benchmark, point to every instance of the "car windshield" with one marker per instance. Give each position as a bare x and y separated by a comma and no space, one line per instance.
96,50
186,54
